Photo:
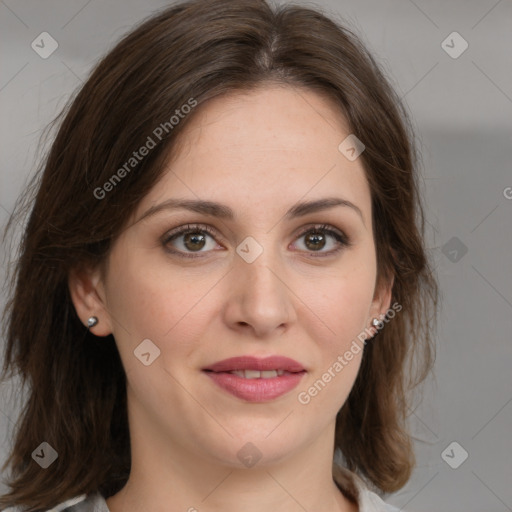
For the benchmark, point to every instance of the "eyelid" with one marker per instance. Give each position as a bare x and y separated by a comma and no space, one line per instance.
323,227
180,230
343,241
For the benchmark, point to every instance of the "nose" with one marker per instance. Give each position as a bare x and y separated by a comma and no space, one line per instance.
259,299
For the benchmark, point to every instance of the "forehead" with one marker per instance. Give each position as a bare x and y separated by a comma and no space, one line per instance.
274,145
268,118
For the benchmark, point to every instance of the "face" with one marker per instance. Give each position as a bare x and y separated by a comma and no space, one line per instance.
260,283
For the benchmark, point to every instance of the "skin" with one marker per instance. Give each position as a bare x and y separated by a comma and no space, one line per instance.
259,153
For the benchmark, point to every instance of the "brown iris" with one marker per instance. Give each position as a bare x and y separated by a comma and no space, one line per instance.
315,236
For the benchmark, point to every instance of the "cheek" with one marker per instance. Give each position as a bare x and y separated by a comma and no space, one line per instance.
343,310
148,299
137,301
344,302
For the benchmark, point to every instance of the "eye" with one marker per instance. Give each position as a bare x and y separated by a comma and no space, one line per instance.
194,238
315,239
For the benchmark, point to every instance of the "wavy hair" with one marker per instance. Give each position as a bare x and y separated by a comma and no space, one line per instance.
200,49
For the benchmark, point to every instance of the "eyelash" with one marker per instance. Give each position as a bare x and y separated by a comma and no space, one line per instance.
341,238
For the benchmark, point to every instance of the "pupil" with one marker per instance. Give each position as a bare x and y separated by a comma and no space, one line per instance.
194,237
316,237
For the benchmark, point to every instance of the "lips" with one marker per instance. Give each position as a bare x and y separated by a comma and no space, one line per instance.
253,363
254,379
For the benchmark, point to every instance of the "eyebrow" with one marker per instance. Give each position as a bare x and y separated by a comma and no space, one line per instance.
225,212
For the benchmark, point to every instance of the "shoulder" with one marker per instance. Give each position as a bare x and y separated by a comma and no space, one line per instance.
370,502
367,500
84,503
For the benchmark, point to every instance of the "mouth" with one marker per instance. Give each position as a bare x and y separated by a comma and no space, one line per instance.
253,379
256,374
255,367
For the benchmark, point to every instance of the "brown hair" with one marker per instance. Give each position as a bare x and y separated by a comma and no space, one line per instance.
200,49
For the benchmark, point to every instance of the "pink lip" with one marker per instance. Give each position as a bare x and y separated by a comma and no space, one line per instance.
256,390
255,363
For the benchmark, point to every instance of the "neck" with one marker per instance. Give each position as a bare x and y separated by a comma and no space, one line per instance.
168,476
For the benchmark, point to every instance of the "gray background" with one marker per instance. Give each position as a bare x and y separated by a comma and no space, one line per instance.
462,111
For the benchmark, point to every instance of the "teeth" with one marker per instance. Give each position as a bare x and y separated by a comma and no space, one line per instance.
255,374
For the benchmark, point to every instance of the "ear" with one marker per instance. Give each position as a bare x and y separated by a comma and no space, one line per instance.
381,299
88,296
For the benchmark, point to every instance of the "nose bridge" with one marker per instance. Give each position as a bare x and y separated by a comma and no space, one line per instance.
259,293
257,265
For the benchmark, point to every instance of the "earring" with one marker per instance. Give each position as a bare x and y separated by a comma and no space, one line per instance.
92,321
375,323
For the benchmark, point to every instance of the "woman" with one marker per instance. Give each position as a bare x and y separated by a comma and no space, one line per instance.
223,277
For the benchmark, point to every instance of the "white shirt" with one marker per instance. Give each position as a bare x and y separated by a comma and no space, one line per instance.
367,501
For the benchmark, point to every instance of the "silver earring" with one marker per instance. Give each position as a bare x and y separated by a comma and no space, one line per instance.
375,322
92,321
